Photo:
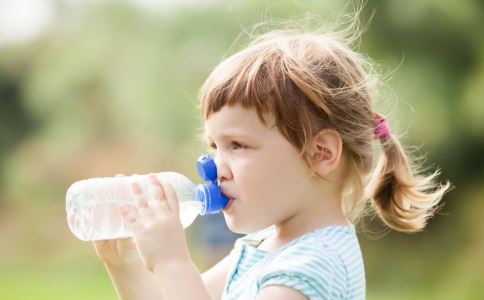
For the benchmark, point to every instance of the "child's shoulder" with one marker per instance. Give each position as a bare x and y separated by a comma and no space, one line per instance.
321,246
314,261
319,264
323,243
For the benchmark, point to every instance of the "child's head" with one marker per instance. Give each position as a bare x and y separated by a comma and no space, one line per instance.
305,84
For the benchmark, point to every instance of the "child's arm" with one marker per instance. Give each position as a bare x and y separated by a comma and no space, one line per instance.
280,293
215,277
181,280
132,280
129,276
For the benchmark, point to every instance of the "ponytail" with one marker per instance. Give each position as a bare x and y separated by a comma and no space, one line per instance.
403,199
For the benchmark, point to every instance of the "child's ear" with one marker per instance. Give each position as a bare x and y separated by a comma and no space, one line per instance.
325,151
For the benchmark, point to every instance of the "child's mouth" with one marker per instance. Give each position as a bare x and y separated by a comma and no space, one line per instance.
229,204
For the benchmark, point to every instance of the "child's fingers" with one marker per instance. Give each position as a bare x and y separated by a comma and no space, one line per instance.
156,190
138,197
158,194
171,197
131,218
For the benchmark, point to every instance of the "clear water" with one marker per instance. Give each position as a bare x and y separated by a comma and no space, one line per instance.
92,205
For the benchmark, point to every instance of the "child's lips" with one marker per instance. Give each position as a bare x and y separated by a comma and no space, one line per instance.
229,204
227,195
230,198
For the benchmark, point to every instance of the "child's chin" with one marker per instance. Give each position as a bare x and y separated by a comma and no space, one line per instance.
233,225
238,227
230,222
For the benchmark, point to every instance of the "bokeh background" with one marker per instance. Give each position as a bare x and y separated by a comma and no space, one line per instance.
96,88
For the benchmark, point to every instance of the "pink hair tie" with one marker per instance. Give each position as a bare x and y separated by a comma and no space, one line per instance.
381,131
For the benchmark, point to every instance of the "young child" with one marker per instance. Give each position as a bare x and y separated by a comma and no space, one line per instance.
291,125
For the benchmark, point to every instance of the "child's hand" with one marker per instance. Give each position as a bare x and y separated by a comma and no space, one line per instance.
155,222
115,252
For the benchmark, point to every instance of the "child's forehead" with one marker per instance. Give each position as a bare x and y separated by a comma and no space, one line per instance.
234,121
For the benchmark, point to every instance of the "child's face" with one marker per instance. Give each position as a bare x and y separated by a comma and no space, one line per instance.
257,167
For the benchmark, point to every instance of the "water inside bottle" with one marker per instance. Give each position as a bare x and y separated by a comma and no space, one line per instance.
103,221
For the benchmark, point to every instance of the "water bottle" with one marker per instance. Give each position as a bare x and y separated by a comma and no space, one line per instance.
92,205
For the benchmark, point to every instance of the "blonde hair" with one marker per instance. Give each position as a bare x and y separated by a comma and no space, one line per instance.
310,81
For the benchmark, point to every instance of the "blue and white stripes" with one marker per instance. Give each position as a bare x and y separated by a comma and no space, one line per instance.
322,264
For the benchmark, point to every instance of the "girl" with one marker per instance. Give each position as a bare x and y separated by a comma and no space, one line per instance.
291,125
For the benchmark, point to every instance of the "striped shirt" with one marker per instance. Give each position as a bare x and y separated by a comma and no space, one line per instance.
322,264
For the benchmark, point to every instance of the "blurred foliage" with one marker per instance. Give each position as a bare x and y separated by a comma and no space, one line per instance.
113,89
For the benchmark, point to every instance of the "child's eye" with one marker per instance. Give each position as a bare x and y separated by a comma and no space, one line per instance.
234,145
237,145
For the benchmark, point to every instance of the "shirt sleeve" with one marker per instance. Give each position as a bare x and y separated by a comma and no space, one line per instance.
316,273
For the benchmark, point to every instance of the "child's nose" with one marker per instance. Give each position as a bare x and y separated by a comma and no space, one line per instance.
223,169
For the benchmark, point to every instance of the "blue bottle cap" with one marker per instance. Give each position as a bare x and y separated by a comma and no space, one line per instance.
211,197
213,201
206,168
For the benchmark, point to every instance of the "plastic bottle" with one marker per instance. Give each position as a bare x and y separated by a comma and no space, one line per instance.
92,204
